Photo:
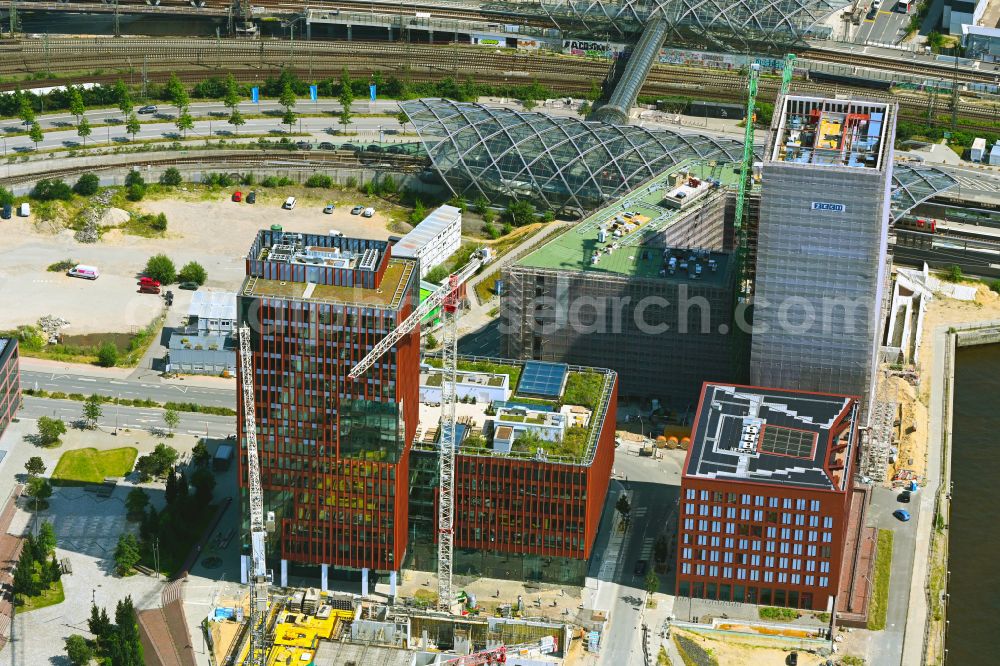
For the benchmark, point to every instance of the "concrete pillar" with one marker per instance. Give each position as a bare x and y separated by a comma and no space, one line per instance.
349,32
323,570
392,583
284,572
244,569
430,36
390,32
364,581
309,30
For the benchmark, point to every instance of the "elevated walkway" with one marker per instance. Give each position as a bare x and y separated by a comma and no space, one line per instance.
641,61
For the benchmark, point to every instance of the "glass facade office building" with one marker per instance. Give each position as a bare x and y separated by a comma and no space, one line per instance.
334,452
10,382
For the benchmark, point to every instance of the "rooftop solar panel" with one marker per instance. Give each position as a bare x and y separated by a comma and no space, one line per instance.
546,379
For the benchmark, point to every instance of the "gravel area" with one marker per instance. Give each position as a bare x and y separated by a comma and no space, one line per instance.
215,232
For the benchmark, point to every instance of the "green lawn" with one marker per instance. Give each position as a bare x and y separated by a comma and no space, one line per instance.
93,466
880,593
50,597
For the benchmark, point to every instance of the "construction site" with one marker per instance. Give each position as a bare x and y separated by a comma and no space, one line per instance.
333,629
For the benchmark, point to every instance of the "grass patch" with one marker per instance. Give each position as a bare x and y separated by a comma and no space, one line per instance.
50,597
92,466
584,389
693,654
487,288
61,266
425,598
774,613
880,594
513,371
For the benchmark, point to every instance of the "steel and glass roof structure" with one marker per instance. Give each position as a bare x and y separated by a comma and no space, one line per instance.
730,25
544,379
569,163
563,162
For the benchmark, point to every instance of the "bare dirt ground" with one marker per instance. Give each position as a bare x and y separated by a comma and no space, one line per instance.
740,652
209,229
914,400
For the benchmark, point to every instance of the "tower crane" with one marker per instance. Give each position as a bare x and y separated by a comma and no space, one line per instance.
787,72
448,298
258,573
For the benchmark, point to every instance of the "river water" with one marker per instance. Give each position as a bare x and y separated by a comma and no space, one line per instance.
974,543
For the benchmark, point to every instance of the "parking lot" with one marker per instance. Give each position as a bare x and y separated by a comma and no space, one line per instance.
213,231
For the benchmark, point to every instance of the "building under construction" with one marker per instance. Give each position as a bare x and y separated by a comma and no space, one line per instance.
531,470
644,286
309,626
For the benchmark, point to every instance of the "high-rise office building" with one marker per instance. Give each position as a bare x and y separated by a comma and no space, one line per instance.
10,382
766,496
821,259
334,452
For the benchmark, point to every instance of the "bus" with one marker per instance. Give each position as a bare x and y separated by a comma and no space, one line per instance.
905,6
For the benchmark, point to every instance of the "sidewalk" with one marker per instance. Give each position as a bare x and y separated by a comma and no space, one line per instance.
86,370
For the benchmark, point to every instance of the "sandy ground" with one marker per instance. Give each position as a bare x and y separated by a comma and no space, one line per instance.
734,652
941,311
216,233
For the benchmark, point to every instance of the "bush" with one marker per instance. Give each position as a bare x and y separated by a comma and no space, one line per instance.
520,213
107,355
774,613
171,177
61,266
160,267
319,180
351,182
87,184
135,192
192,272
158,222
491,231
995,286
49,190
276,181
952,273
134,178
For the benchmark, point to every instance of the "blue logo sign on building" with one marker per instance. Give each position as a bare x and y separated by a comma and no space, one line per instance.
830,207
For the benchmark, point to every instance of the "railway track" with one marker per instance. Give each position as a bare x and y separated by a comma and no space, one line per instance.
252,61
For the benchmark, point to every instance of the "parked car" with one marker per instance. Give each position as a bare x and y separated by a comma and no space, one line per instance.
326,145
328,209
289,203
792,659
904,497
190,286
304,145
368,212
901,514
375,148
24,210
237,196
357,210
349,146
7,211
640,568
252,197
148,109
148,282
149,288
84,271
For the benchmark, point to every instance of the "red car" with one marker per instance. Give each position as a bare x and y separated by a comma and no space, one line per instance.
148,282
237,196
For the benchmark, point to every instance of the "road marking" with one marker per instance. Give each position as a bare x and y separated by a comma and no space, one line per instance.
85,379
194,432
115,381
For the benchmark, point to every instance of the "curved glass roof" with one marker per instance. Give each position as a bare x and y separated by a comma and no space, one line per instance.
564,162
725,23
912,185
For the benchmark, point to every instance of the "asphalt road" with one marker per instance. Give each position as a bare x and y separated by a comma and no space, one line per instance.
654,486
888,649
318,128
87,385
888,27
136,418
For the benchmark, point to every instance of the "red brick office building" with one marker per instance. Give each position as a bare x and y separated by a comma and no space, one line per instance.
334,452
10,382
765,496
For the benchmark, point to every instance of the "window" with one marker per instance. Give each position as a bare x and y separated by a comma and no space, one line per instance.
700,569
785,533
772,516
824,581
745,499
814,505
828,522
685,553
727,557
727,572
827,537
786,503
702,510
731,512
744,514
758,500
716,511
689,507
768,576
784,547
713,571
813,535
730,528
796,578
716,526
782,577
754,575
798,535
704,496
800,519
755,560
702,525
824,567
690,493
813,521
810,565
800,504
810,580
769,561
717,496
811,551
772,502
685,567
744,544
702,540
796,564
715,542
770,546
796,548
713,556
729,542
689,523
758,515
741,574
783,563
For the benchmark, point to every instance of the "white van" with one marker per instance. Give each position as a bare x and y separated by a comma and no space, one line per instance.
289,203
24,210
336,234
368,212
86,272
